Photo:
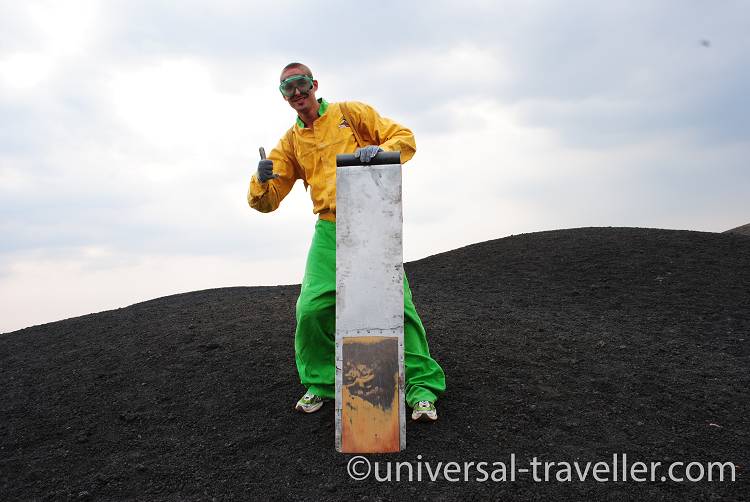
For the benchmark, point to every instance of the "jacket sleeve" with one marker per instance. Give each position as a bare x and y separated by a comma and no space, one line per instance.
266,197
384,132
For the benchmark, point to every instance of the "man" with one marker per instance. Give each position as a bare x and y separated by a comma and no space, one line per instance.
308,152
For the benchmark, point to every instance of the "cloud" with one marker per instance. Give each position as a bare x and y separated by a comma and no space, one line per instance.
129,131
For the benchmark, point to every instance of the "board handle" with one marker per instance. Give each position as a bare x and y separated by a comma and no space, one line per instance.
382,158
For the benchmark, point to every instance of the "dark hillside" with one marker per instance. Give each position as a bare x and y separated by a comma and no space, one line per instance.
741,230
564,345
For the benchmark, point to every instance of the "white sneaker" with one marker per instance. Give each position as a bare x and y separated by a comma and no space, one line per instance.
309,403
424,411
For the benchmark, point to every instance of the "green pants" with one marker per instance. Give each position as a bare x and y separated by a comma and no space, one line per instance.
315,337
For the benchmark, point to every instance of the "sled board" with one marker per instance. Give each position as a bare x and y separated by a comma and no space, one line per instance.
370,415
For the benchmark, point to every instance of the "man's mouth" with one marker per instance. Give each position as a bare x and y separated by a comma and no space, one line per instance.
299,98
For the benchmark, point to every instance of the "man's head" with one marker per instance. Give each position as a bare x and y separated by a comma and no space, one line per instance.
298,87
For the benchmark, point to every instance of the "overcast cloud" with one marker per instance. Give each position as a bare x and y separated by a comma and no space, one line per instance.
129,131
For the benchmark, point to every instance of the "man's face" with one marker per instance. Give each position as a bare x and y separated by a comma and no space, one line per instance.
301,102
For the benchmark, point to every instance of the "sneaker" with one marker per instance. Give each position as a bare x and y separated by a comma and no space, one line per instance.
309,403
424,411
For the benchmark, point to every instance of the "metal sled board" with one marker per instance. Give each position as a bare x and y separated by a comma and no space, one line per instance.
370,414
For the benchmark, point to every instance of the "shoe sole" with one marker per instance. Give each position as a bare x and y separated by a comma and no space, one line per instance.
423,417
309,409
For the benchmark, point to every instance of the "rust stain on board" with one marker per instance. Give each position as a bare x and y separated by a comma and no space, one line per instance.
370,397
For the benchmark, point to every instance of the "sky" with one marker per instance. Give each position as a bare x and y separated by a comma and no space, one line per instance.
129,131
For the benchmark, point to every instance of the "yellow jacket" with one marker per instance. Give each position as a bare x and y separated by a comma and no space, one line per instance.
309,154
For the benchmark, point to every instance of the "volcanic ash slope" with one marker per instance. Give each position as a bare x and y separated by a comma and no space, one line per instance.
562,345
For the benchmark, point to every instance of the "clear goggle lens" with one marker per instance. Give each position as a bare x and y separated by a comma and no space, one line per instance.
291,84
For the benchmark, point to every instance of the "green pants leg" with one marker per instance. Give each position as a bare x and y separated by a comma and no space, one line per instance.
315,337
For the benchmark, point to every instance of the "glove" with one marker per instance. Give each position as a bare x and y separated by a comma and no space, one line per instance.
265,171
366,154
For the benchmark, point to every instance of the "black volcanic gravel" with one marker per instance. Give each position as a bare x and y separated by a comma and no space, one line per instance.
564,345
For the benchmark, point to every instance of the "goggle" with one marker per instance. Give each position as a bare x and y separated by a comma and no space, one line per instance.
291,84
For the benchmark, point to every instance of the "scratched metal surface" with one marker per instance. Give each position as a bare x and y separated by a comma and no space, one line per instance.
369,265
369,249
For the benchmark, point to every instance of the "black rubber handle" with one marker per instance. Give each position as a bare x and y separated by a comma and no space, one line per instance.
348,159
